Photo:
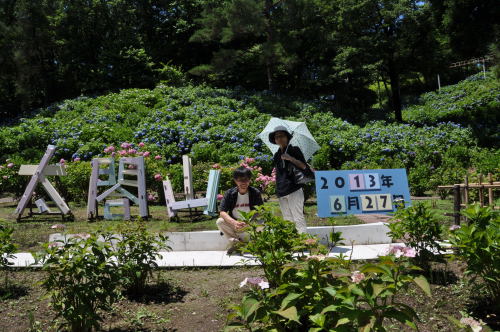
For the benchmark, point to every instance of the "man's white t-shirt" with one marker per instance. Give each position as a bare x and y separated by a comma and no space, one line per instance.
242,204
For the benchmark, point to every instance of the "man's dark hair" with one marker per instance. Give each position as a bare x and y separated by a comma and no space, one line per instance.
242,172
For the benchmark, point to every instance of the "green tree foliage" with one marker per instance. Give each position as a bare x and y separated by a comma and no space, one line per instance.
339,51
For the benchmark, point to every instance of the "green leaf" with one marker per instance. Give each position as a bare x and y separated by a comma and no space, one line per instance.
290,313
423,284
331,290
401,317
318,319
290,297
377,289
249,306
342,321
330,308
372,268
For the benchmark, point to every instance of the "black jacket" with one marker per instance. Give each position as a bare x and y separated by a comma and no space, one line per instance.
285,183
231,196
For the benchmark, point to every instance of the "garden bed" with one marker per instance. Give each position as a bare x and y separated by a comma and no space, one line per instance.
199,300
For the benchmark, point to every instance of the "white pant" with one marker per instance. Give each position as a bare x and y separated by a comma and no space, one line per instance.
292,208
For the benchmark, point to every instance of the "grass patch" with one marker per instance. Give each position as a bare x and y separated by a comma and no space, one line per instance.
30,234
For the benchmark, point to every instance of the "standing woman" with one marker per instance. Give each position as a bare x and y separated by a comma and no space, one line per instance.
290,194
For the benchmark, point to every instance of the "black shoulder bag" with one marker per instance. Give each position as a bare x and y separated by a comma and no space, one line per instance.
301,176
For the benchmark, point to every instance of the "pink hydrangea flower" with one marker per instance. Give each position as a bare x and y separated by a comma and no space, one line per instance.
76,159
132,151
409,252
255,281
111,148
357,277
125,145
1,166
10,165
216,166
62,161
113,154
158,177
146,153
399,251
5,177
132,166
157,157
122,152
474,324
141,144
151,197
220,197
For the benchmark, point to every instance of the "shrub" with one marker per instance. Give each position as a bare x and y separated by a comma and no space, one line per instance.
221,126
7,249
10,181
273,242
82,279
75,185
419,227
137,250
319,293
477,244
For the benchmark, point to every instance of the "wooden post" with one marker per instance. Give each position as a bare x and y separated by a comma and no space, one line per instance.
169,197
187,170
466,190
490,190
481,192
457,203
91,202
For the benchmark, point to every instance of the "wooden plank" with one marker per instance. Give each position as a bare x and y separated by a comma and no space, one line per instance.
133,172
126,209
130,183
28,192
129,195
475,186
104,160
61,204
187,170
192,203
456,204
490,190
169,197
141,188
107,192
212,190
49,170
130,160
91,198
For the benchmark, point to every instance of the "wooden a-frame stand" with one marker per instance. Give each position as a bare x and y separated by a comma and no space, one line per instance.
39,174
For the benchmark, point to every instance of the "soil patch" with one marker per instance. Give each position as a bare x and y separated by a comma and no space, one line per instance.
200,300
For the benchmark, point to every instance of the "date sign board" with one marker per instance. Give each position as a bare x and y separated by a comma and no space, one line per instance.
361,191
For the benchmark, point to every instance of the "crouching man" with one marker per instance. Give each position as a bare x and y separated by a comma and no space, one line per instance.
243,197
